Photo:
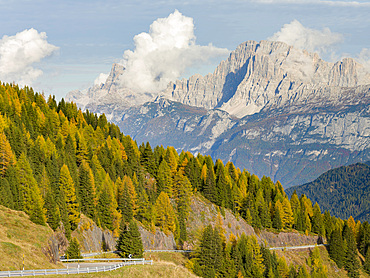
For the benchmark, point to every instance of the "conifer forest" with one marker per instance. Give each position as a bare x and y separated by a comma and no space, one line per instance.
57,162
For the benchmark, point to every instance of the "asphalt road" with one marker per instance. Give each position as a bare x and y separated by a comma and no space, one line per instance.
89,265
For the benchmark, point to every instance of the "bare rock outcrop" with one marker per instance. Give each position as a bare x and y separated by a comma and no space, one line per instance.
204,213
157,240
92,238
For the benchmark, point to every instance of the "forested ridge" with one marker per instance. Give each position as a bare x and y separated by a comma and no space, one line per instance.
344,191
57,162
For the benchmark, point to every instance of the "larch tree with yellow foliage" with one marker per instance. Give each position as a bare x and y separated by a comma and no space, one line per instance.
6,154
67,186
165,214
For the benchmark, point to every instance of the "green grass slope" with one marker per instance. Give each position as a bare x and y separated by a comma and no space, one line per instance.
20,237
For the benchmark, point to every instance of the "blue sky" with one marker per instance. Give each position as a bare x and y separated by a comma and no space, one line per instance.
83,38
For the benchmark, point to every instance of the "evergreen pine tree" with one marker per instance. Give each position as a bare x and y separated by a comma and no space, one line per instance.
124,202
351,263
193,171
73,250
6,196
328,224
147,159
104,209
364,238
52,210
210,252
367,262
317,221
86,190
296,208
336,247
130,241
209,187
164,181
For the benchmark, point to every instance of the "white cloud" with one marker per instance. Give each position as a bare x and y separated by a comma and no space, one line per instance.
312,40
164,54
18,54
364,58
101,79
320,2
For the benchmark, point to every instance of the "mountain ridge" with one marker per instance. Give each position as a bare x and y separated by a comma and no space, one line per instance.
342,191
268,106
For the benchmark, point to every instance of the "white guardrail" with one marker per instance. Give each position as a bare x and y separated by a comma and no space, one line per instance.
37,272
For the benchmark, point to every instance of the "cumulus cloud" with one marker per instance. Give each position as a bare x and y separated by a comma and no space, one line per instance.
18,54
164,54
312,40
101,79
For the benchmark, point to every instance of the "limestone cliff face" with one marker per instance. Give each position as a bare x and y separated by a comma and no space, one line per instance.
273,73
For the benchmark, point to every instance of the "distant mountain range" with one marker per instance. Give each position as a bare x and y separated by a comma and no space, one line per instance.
270,108
343,191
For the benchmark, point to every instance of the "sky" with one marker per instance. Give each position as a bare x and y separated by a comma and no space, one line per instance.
60,46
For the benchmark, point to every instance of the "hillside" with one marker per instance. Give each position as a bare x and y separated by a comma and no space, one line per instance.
20,237
59,164
270,108
342,191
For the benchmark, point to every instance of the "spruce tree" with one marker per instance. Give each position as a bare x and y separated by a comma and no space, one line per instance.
52,210
317,221
209,186
6,196
351,263
364,238
104,210
125,203
164,181
130,241
73,250
296,208
86,190
193,171
210,252
367,262
336,247
328,224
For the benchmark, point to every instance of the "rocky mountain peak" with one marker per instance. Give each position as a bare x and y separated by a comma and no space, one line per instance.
257,74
